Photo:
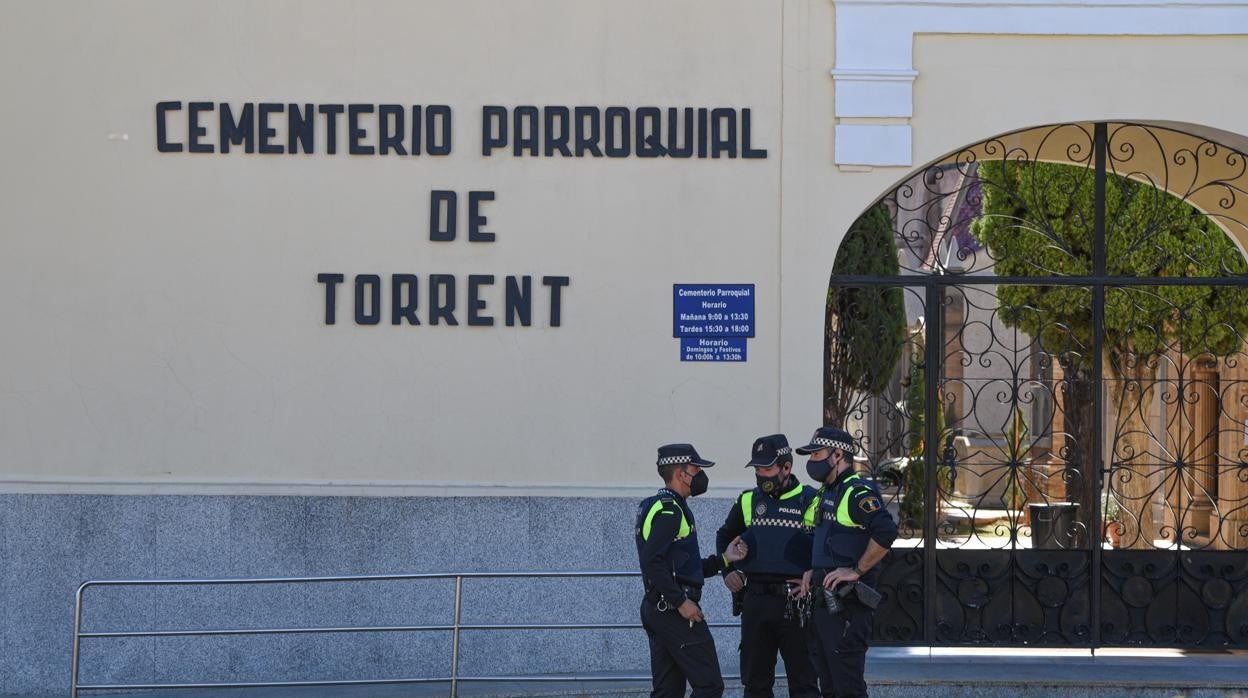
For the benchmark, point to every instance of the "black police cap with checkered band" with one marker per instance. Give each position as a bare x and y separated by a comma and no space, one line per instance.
679,454
829,437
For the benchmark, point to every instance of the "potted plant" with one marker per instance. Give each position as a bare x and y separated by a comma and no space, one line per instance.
1111,526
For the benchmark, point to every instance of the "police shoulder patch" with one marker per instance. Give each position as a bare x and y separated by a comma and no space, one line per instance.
870,504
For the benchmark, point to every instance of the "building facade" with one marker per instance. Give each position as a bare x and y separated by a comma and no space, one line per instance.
326,288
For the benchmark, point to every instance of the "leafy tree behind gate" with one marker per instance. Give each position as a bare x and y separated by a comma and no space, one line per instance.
1037,220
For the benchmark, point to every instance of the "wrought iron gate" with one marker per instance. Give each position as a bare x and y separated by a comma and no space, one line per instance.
1051,385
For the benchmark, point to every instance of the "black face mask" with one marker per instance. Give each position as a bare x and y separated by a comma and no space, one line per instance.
819,470
770,485
698,484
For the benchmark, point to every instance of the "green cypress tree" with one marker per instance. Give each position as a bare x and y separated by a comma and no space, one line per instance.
866,325
914,477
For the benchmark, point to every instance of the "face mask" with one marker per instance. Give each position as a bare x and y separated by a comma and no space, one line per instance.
770,485
698,484
819,470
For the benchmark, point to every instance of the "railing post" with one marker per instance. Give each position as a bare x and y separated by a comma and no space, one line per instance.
459,588
73,674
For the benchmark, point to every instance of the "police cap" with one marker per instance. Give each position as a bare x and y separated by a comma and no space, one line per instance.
767,450
829,437
679,454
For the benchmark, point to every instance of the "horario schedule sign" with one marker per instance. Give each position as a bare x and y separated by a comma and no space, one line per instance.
713,321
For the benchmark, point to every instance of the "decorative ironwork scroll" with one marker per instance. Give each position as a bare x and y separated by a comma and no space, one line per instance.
1061,425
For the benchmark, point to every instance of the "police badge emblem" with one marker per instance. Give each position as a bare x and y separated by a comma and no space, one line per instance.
870,504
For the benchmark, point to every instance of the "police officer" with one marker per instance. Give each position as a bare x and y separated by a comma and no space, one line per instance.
775,519
852,535
672,568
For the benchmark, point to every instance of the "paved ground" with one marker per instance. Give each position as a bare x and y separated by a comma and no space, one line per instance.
892,673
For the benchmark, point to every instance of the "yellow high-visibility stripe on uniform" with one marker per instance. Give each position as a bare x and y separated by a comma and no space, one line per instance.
843,516
747,502
812,511
655,510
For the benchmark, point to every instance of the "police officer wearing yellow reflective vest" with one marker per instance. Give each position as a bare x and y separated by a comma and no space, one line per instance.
681,647
853,532
775,519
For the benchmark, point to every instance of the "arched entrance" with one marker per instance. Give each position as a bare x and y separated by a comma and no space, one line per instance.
1040,343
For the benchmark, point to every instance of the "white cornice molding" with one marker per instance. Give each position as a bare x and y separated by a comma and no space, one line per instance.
875,72
336,488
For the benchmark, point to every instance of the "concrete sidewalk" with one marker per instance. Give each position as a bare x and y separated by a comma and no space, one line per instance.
891,672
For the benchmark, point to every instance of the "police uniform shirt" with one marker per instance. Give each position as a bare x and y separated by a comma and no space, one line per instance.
865,509
660,533
735,525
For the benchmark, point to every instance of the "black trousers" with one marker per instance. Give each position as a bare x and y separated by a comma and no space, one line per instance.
680,654
838,646
764,631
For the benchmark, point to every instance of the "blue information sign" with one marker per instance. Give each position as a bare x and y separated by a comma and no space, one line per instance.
712,348
713,310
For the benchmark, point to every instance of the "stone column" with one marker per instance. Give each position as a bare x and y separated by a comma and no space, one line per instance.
1192,440
1057,485
1232,495
1203,451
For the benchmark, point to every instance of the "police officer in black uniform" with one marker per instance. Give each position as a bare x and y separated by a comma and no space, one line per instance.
672,567
853,533
776,521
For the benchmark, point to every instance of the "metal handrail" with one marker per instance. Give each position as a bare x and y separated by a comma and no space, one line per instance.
455,628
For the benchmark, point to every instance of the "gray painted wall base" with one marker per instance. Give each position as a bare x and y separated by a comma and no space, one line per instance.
52,543
49,544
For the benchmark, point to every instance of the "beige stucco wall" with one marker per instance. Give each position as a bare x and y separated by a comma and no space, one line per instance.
162,322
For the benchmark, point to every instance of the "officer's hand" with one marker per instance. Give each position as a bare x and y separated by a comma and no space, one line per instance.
690,611
735,581
803,588
737,550
838,576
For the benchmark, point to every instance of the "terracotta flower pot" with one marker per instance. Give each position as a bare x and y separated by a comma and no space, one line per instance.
1113,531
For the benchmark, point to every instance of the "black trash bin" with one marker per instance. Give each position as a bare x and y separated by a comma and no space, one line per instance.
1053,526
